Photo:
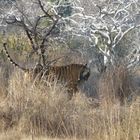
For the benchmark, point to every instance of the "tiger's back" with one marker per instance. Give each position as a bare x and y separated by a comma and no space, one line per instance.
67,73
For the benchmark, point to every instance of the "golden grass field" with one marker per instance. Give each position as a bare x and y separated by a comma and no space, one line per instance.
30,112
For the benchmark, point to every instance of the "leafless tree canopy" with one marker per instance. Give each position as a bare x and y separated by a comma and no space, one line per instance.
103,23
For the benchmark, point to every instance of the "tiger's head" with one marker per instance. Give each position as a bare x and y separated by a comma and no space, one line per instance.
84,74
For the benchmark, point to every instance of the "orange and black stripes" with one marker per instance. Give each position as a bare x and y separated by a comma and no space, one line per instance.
71,75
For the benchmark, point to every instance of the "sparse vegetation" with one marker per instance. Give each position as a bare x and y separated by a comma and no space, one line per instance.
107,107
30,111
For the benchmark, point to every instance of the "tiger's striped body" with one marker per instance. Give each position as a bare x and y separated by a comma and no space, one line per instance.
71,75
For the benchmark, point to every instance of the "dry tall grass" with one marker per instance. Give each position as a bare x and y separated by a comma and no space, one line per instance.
116,84
37,112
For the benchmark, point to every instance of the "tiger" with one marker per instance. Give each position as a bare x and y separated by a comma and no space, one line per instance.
71,75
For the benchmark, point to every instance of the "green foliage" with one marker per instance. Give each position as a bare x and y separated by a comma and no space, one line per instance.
18,44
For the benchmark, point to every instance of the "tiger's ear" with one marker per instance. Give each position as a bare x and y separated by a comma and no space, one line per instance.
86,65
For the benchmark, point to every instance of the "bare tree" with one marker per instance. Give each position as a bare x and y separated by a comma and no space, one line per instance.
40,20
107,26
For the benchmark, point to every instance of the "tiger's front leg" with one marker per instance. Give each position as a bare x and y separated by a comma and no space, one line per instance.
72,89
